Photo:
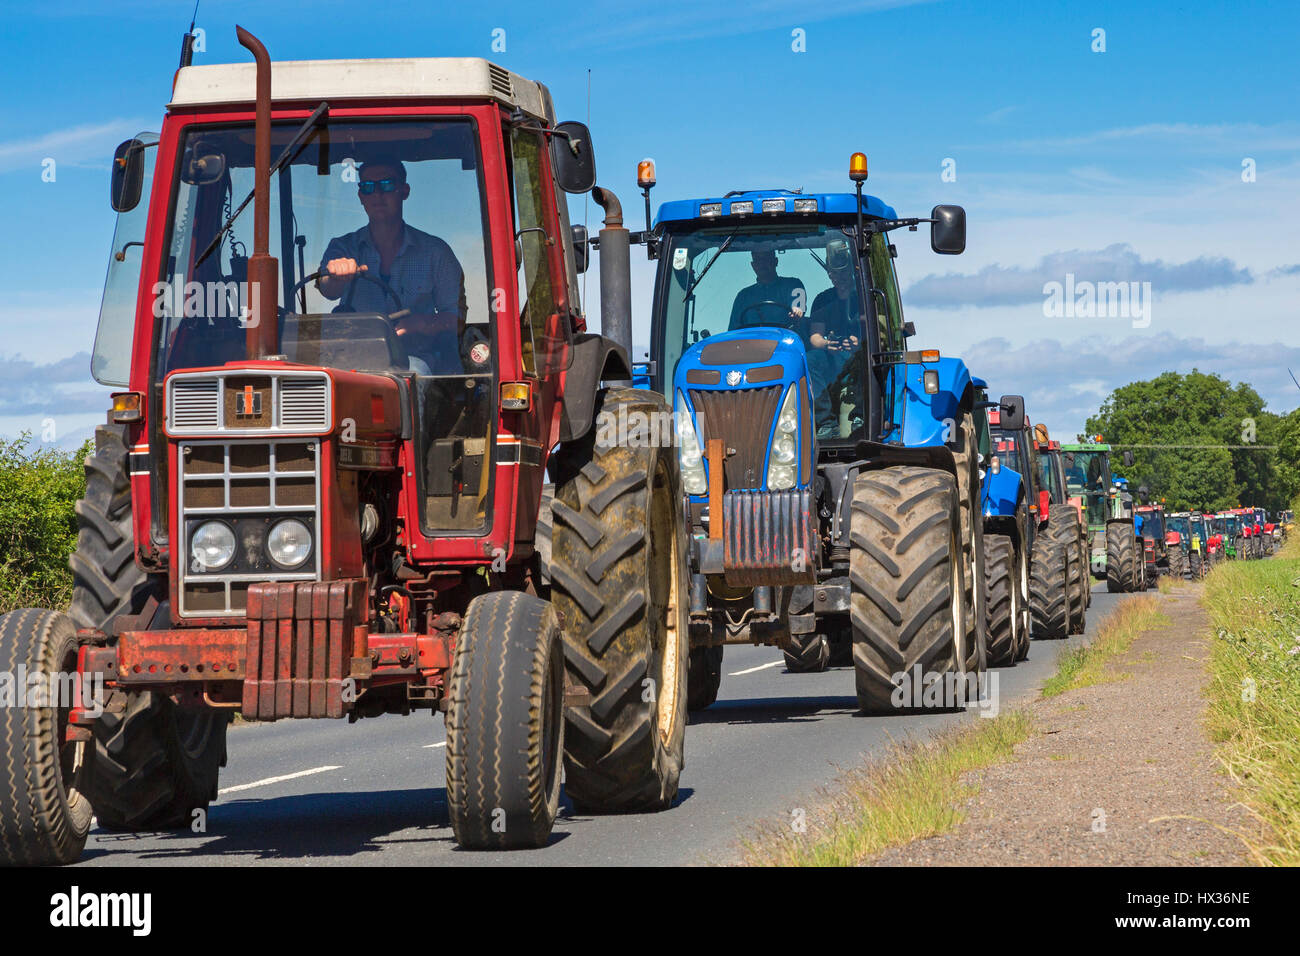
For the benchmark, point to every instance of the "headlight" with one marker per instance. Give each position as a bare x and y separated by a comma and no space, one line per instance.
289,543
689,457
212,546
780,468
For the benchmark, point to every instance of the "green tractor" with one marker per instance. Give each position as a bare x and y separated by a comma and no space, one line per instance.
1108,511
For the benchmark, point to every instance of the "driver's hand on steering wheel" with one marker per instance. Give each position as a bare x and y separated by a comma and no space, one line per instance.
343,268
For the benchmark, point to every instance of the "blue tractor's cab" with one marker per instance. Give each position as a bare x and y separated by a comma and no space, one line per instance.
812,440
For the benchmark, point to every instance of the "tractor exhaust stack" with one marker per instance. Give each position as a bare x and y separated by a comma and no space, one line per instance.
262,333
615,272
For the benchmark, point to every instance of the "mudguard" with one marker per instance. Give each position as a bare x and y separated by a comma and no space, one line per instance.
1002,493
928,420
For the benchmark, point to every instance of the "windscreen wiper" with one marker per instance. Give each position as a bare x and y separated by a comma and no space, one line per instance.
705,271
290,151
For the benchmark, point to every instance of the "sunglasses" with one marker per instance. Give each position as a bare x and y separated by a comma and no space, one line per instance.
367,186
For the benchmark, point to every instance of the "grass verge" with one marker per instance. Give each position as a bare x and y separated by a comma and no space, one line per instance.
1254,693
913,792
1085,666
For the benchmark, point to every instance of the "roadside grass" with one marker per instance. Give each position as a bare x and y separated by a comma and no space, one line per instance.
1254,693
1085,666
914,791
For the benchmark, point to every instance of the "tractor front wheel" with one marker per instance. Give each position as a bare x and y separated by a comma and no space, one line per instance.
909,602
44,812
1122,570
505,723
704,677
1001,571
807,653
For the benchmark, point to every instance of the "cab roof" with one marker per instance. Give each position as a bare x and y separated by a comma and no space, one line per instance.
688,210
411,78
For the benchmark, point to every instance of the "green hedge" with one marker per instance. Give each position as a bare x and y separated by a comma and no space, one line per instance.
38,526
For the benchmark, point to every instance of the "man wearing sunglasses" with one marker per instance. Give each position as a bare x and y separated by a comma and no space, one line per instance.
420,268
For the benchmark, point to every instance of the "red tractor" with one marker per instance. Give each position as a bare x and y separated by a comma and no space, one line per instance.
318,492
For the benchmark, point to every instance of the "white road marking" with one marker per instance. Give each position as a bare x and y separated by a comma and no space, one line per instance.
431,746
760,667
271,780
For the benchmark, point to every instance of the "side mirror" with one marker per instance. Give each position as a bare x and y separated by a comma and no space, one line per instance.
1144,493
1128,459
128,176
948,231
909,329
573,158
581,250
1013,412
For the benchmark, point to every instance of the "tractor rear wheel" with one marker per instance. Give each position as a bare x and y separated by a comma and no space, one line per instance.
807,653
618,579
505,723
1049,599
1121,558
966,458
153,764
704,677
909,602
1177,563
44,811
1003,599
1063,527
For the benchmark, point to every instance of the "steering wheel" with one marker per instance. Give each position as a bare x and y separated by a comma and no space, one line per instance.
347,298
741,324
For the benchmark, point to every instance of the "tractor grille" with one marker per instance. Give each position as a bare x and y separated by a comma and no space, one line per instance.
742,418
248,402
249,486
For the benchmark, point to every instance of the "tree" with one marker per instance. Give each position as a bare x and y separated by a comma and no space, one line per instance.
1196,409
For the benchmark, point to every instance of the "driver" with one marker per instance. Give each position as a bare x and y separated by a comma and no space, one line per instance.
421,269
833,328
747,310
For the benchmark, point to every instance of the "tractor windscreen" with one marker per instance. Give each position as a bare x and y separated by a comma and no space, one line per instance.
380,231
802,278
400,201
1087,473
1181,524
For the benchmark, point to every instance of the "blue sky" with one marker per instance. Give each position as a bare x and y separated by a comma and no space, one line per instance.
1117,165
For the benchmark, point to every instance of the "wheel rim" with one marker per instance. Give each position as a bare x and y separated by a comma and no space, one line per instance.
71,753
957,604
552,717
665,665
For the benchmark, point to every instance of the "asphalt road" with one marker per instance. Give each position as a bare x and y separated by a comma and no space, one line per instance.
326,793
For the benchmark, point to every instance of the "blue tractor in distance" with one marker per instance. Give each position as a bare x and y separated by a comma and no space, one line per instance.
830,473
1008,534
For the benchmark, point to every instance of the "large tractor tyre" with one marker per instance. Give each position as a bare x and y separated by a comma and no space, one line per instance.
704,677
1026,615
966,457
1049,600
153,764
1195,566
1063,528
44,811
909,602
1003,606
505,723
1122,567
618,579
807,653
1177,563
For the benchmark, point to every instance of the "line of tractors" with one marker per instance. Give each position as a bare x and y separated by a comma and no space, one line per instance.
445,495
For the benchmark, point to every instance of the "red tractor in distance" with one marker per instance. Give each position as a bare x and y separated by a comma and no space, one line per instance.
318,492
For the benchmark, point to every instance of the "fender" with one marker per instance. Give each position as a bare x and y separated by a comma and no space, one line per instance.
1003,492
928,420
595,359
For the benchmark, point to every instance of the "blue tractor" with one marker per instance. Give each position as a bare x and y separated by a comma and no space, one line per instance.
1008,533
830,473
